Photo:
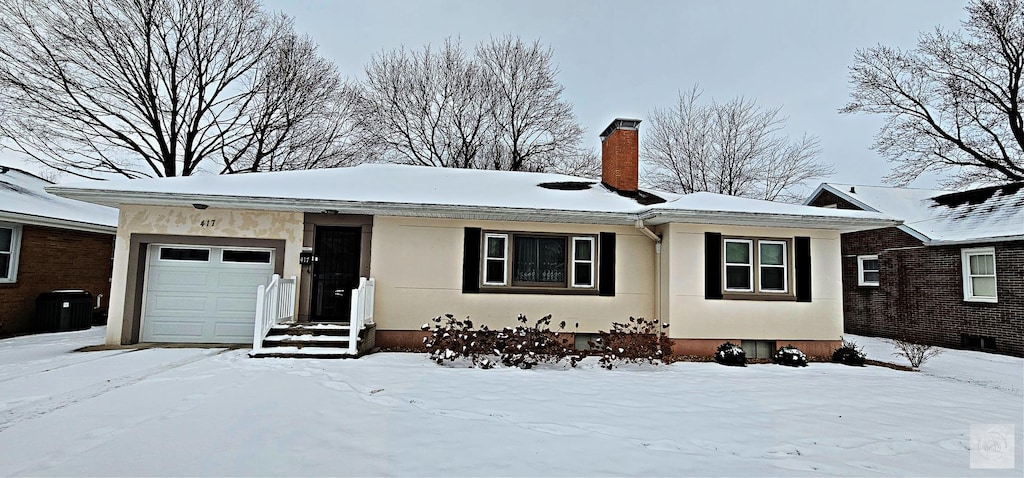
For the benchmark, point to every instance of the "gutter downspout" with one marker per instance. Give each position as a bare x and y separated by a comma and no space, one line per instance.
640,226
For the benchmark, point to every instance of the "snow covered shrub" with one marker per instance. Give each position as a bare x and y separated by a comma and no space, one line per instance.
731,354
916,354
849,354
523,346
640,340
790,356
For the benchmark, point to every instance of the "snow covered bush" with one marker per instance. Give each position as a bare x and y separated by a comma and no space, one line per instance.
849,354
639,340
731,354
916,354
523,346
790,356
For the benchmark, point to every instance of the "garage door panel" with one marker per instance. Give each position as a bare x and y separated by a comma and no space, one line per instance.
187,279
202,301
175,329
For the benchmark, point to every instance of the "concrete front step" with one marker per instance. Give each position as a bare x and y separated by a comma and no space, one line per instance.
303,352
311,329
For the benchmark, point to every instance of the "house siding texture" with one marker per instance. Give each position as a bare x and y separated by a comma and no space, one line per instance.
920,293
52,258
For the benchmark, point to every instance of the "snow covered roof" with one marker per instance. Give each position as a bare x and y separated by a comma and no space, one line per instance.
24,200
935,216
388,189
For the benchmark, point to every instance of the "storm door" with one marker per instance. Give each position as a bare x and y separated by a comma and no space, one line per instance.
335,272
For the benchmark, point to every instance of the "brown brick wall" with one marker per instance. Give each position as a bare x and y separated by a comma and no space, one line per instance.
620,159
50,259
920,295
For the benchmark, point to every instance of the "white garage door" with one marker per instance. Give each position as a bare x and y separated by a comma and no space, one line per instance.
203,294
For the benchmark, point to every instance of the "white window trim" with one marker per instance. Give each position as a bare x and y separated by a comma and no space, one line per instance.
965,262
503,258
785,268
749,264
860,270
15,253
590,281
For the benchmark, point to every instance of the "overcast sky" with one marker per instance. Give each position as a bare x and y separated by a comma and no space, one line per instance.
623,58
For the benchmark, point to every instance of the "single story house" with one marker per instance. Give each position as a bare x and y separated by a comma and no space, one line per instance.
191,252
951,275
48,243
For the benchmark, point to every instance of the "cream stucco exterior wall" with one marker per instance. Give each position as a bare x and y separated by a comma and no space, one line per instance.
692,316
187,221
417,264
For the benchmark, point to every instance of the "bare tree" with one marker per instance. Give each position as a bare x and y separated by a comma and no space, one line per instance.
953,104
735,148
530,119
426,107
164,88
500,108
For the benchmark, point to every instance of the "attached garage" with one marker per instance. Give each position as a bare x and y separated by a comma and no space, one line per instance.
202,294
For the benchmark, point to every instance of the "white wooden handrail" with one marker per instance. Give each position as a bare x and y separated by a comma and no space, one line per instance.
275,304
361,313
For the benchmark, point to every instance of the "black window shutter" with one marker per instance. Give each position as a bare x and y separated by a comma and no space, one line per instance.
803,269
471,261
607,275
712,265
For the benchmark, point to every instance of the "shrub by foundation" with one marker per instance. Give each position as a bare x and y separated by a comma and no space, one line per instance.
790,356
731,354
849,354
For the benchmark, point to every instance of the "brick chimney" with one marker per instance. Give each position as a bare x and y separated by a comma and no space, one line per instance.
620,155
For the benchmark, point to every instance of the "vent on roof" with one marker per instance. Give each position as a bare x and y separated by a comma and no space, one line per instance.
567,185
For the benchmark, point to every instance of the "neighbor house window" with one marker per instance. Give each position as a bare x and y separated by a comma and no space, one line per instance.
757,266
552,261
979,270
867,270
9,236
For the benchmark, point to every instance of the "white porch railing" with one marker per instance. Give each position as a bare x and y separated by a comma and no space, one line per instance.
275,304
362,312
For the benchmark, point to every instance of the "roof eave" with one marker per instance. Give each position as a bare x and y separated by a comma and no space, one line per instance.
976,240
33,220
735,218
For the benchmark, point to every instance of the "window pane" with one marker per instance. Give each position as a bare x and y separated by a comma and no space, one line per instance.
771,254
176,254
255,257
870,265
496,247
737,277
983,264
583,277
984,286
583,252
495,271
737,252
5,239
539,259
871,276
5,266
773,278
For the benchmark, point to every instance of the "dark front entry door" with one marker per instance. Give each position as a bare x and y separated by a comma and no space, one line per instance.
335,272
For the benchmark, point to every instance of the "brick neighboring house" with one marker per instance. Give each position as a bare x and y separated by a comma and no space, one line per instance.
952,275
48,243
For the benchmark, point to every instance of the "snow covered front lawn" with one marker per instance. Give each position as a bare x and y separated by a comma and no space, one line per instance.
198,412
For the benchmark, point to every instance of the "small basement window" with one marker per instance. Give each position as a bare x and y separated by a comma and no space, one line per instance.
867,270
758,349
184,254
980,342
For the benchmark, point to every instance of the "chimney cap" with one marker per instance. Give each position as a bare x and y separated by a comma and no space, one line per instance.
620,123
